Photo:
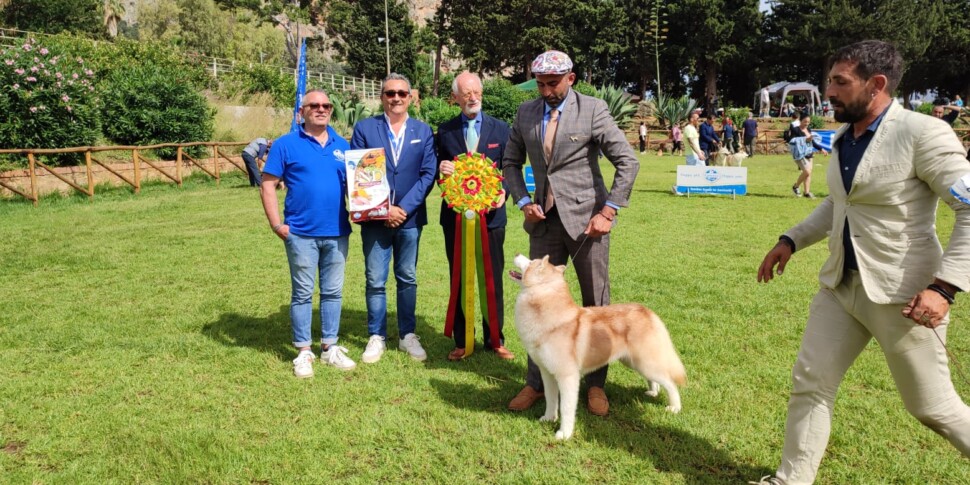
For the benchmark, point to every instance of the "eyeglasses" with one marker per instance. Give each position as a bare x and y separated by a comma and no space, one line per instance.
400,94
472,94
316,106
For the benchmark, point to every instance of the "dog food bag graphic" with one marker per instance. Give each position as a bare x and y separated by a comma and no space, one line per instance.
367,185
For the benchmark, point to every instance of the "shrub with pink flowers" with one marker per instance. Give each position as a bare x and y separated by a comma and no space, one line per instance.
48,99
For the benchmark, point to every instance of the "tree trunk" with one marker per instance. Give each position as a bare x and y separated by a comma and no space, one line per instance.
437,68
710,85
826,67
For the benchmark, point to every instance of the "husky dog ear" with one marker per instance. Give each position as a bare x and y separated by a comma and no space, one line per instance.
561,268
545,259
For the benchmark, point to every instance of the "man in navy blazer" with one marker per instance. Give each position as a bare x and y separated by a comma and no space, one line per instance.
411,163
474,131
708,137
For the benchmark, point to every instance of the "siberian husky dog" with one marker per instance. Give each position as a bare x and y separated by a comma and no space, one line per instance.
567,341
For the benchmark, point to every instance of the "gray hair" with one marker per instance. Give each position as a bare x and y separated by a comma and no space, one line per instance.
395,77
871,58
454,83
312,91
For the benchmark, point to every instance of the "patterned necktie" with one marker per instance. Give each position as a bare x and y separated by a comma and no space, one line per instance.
547,143
471,137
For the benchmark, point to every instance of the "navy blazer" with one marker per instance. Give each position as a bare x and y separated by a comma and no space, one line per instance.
708,136
451,143
412,177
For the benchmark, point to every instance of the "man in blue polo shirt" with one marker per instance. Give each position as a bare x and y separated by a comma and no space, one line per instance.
316,228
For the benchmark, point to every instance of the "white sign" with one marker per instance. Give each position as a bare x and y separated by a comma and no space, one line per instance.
693,179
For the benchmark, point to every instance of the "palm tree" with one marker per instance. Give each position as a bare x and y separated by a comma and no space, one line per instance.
113,10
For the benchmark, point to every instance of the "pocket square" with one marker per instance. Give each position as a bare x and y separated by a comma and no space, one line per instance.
492,145
415,141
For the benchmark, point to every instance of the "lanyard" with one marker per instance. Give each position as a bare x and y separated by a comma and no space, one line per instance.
397,143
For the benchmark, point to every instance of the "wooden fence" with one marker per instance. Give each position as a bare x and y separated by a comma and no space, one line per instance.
767,140
209,166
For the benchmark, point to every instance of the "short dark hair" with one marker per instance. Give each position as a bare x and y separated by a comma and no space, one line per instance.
872,57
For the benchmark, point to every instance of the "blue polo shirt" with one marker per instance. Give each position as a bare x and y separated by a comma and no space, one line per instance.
316,183
851,150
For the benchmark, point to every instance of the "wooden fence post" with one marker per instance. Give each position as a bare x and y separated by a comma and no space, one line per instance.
87,162
178,165
33,176
134,161
215,163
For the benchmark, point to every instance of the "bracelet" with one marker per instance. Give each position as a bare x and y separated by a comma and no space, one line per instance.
787,240
945,294
277,227
606,216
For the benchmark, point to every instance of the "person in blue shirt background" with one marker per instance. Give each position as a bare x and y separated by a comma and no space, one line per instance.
316,226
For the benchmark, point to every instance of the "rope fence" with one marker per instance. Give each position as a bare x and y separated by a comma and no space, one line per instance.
211,166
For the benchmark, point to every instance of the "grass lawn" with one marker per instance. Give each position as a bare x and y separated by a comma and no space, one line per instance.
145,339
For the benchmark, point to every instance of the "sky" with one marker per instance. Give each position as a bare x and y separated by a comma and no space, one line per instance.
765,6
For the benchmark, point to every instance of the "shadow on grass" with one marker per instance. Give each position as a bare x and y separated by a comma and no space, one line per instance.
272,333
627,428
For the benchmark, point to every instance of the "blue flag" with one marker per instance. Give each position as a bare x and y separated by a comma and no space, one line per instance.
300,87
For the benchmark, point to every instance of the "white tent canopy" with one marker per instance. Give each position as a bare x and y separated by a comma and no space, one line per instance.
781,90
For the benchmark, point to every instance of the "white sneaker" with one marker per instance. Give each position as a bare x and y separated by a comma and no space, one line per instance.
768,480
337,357
303,364
374,350
410,343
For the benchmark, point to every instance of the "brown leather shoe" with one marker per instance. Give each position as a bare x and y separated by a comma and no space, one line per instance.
504,353
456,354
596,401
525,399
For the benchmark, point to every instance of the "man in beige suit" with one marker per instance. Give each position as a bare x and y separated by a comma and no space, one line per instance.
562,133
887,276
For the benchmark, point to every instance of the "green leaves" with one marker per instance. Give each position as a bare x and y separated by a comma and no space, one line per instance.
670,110
47,97
147,104
618,102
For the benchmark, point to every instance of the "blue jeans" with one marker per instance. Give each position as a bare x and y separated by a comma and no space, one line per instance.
252,169
694,160
380,243
306,256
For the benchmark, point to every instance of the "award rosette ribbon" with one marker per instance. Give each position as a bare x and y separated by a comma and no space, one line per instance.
472,191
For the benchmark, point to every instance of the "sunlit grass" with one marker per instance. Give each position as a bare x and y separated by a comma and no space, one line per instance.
145,338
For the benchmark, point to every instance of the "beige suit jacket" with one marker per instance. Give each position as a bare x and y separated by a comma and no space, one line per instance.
910,164
585,128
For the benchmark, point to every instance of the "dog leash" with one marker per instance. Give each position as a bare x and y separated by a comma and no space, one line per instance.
953,359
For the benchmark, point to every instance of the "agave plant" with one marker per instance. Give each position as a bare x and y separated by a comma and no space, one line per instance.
670,110
618,102
347,112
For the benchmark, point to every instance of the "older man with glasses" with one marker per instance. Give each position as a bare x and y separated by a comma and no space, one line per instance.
411,164
315,229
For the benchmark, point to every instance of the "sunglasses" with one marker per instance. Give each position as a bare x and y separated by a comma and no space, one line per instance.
400,94
316,106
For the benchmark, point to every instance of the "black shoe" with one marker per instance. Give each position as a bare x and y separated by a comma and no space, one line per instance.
795,191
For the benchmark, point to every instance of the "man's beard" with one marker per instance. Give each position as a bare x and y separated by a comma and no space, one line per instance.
852,111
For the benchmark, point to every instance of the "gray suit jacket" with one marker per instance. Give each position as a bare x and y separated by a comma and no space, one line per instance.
910,164
585,128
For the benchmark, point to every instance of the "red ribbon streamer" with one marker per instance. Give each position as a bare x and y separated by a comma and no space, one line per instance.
489,286
455,279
